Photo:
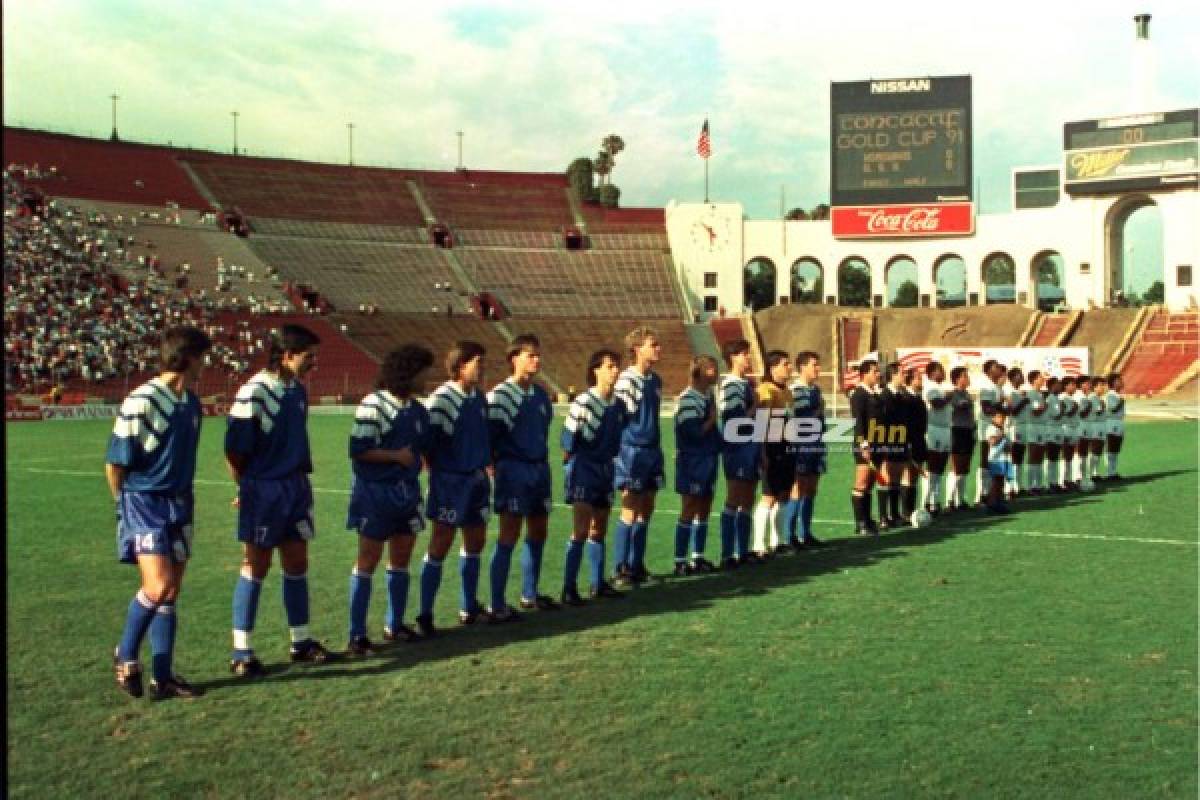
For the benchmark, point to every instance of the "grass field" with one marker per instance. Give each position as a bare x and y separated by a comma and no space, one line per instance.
1048,654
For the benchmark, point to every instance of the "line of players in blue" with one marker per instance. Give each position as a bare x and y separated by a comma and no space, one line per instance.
484,453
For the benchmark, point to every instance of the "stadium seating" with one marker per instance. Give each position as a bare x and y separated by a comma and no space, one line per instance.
1052,326
1169,345
298,190
516,201
102,170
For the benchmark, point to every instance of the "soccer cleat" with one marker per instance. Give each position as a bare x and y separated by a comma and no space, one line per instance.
813,541
129,676
730,564
471,617
885,524
570,597
702,566
865,529
174,686
682,569
360,647
781,549
641,575
623,578
248,667
310,652
402,633
503,615
606,591
542,602
796,543
425,626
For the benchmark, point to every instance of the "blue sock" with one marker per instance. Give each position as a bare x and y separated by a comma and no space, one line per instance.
571,571
621,543
683,532
245,611
802,505
295,603
639,535
595,552
397,586
789,515
162,642
728,532
531,567
468,570
806,517
501,563
360,601
699,537
744,526
137,622
431,579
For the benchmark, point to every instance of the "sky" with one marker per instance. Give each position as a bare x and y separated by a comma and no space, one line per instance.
533,85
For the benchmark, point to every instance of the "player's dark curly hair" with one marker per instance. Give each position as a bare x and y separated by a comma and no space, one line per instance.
954,373
290,339
463,352
181,346
597,360
932,367
401,367
733,348
1015,376
805,356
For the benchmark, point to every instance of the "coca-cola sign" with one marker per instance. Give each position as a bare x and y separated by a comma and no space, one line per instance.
903,221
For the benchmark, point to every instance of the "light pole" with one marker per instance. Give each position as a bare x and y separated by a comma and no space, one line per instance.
234,114
460,140
114,116
350,134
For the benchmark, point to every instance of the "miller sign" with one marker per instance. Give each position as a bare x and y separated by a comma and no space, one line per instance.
902,221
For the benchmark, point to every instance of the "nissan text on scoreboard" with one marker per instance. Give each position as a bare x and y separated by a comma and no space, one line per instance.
1143,152
900,162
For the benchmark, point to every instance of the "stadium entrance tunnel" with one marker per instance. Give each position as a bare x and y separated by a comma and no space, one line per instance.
950,280
1046,278
758,284
854,282
1133,233
808,281
999,279
900,282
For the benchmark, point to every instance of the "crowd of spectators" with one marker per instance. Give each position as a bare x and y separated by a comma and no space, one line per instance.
80,309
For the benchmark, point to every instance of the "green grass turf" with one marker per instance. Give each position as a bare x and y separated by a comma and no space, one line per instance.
981,657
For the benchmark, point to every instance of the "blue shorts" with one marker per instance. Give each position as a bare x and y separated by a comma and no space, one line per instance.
152,524
742,462
639,469
1002,469
458,499
589,482
810,459
522,488
695,473
271,512
383,509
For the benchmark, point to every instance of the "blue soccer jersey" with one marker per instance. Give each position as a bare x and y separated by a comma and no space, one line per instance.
384,422
268,426
735,398
593,428
691,411
641,397
155,439
519,421
458,422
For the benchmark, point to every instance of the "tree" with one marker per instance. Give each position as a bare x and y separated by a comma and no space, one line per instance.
797,213
999,270
906,296
854,287
581,179
820,212
602,165
1155,294
804,291
612,144
608,195
758,279
1047,273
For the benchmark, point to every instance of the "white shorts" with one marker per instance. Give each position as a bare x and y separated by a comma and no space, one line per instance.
937,440
1095,431
1051,435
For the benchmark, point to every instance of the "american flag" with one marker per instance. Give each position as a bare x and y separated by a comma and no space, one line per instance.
916,360
704,143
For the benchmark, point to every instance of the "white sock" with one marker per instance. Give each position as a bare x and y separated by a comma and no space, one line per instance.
1112,464
952,497
933,489
762,520
1035,475
773,525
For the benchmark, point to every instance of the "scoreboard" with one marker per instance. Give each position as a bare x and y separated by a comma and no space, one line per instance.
901,141
1139,152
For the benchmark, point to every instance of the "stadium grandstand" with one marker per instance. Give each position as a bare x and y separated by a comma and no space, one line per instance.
106,242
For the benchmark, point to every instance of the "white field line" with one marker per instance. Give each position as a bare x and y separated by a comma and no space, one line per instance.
99,476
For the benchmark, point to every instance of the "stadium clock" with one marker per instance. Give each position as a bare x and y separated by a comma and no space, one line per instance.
712,233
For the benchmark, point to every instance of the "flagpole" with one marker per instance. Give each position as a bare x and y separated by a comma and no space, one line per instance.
706,180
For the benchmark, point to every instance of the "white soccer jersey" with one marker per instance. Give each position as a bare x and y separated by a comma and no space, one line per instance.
1051,422
938,417
1083,402
1070,419
990,394
1116,413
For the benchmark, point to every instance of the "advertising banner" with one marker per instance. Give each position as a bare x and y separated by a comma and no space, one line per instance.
896,221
